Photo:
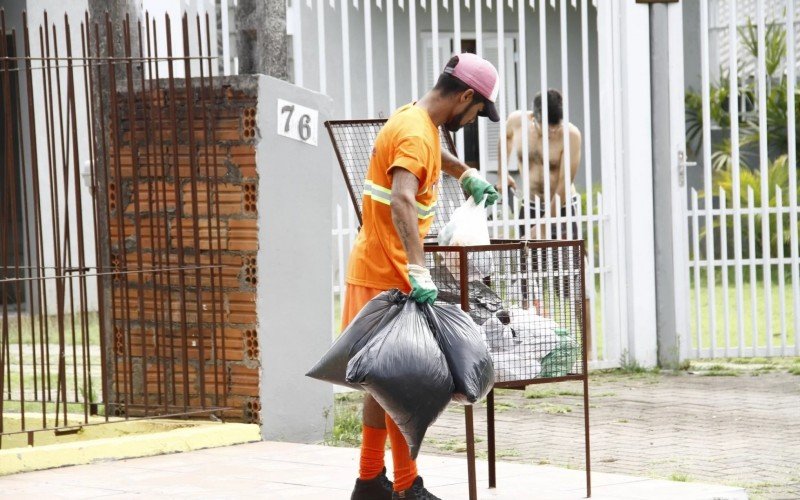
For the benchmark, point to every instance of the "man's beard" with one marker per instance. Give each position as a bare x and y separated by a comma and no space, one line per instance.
454,123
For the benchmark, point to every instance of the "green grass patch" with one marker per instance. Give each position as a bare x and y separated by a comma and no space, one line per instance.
549,393
28,329
503,406
346,430
719,371
678,476
618,374
33,408
449,445
750,361
349,397
795,370
754,312
548,408
507,453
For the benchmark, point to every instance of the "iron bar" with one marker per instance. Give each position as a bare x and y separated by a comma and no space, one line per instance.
137,221
163,162
178,215
122,254
145,100
107,362
221,320
195,209
41,297
209,214
158,283
87,77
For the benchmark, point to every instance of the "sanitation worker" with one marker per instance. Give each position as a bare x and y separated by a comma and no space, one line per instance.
400,193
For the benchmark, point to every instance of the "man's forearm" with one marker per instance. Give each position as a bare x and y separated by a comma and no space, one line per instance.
404,216
453,166
557,203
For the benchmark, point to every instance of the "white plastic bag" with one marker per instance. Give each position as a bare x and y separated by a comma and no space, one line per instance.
536,333
468,227
498,337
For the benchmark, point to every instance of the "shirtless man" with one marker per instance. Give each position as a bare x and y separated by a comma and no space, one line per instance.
557,168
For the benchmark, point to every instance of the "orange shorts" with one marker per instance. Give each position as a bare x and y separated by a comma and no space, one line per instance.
355,299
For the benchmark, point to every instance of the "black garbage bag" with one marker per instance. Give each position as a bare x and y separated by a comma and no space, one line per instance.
484,302
467,355
404,369
332,367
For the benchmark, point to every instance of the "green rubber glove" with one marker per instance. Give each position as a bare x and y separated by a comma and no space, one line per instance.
423,289
478,187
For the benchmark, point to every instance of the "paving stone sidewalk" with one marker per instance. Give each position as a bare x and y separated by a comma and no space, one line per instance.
726,424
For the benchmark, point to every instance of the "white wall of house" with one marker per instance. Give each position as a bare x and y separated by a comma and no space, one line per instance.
62,217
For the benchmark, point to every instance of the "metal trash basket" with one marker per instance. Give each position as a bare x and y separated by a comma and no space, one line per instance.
527,296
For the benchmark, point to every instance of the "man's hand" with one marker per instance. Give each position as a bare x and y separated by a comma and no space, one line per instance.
477,187
423,290
512,185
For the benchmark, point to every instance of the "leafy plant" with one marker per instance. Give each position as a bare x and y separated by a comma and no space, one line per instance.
774,44
775,50
777,120
693,103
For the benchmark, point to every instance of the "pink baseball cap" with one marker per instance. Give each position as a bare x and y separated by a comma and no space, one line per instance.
481,76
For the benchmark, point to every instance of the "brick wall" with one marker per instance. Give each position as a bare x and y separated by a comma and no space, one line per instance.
194,202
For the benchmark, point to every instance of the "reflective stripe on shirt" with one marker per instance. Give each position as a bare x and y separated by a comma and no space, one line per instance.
384,195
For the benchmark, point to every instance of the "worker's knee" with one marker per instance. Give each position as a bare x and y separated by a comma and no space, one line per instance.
373,415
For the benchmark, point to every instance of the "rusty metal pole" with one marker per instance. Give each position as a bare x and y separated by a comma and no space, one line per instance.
463,255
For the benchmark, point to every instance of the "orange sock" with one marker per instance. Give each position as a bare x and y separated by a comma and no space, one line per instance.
405,469
373,444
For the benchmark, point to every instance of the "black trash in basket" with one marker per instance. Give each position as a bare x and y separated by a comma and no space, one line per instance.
529,306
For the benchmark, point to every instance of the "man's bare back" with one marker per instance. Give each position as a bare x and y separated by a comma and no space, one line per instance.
557,169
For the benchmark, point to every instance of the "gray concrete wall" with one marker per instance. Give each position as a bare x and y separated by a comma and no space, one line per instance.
261,40
663,210
294,279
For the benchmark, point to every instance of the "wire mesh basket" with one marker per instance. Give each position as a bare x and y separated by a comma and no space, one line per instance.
527,299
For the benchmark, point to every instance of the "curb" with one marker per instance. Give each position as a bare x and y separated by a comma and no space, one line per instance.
207,435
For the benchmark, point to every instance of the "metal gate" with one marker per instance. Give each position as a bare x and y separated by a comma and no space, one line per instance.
109,309
741,111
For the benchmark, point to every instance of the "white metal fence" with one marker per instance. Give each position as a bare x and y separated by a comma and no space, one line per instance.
743,220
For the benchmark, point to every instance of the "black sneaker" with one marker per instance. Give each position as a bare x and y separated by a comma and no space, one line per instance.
416,492
377,488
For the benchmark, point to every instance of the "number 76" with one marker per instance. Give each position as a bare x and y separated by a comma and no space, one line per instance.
303,127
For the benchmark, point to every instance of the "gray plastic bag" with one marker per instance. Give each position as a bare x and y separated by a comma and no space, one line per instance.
466,353
404,369
332,367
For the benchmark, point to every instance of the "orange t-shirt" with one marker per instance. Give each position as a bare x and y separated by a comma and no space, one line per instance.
408,140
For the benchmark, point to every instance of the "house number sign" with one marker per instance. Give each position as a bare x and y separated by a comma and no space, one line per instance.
297,122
